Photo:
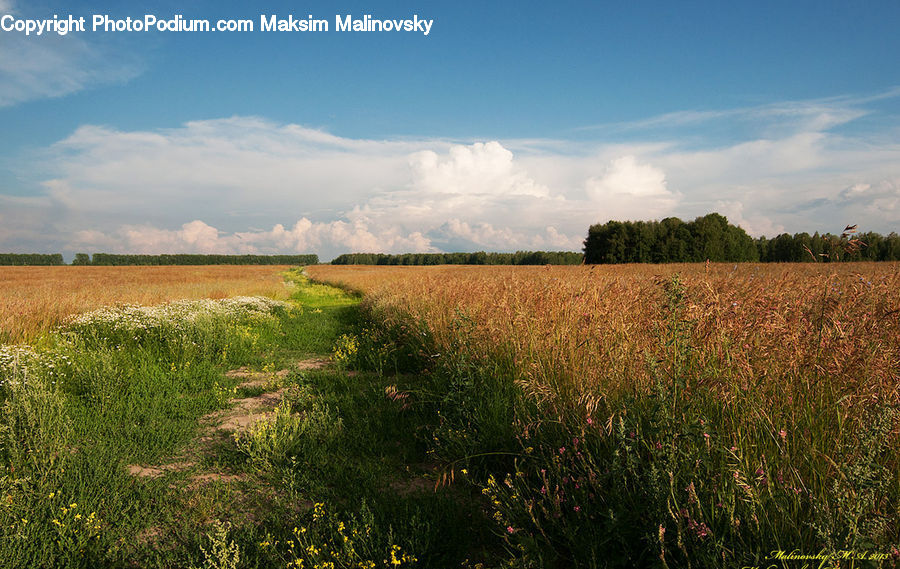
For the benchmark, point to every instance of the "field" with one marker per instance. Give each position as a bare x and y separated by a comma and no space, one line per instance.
590,330
607,416
673,414
35,299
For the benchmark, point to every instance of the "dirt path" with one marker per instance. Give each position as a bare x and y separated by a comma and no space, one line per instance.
195,475
221,425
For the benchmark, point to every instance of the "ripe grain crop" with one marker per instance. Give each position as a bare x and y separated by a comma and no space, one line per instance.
577,333
700,415
35,299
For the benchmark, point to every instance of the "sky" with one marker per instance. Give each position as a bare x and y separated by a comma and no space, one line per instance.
512,125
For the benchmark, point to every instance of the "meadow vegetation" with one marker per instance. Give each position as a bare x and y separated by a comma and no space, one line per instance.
124,442
615,416
36,299
669,415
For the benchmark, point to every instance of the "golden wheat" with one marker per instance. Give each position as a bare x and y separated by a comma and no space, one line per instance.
577,334
35,299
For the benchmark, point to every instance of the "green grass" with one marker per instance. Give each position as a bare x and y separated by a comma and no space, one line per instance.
100,397
393,456
325,313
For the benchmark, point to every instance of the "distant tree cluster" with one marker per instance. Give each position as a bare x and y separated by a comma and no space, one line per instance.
803,247
712,237
107,259
479,258
31,259
669,241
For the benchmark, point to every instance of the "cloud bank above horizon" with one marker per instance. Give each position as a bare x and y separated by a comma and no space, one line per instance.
251,185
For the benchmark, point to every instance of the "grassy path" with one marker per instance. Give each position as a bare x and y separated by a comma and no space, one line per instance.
224,444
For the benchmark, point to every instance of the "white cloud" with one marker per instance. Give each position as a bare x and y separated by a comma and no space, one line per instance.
304,237
864,202
626,177
46,66
347,194
485,236
810,115
856,191
228,164
755,225
628,189
246,184
479,169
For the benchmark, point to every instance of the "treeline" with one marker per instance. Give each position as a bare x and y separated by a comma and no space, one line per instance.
712,237
669,241
803,247
479,258
108,259
31,259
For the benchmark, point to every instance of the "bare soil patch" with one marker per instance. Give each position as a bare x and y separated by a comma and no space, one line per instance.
244,413
241,416
159,470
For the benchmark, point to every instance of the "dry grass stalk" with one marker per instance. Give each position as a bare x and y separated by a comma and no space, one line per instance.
580,333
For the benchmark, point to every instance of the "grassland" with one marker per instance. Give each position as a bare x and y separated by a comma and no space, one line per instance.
636,416
35,299
657,415
215,433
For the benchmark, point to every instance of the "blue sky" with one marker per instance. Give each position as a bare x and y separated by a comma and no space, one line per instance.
512,125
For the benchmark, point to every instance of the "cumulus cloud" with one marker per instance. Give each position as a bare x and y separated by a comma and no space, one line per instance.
316,191
328,238
303,237
878,200
250,185
479,169
856,190
626,177
754,225
628,189
240,166
193,237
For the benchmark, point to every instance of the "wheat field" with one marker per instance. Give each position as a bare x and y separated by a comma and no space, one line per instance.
578,332
35,299
703,413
